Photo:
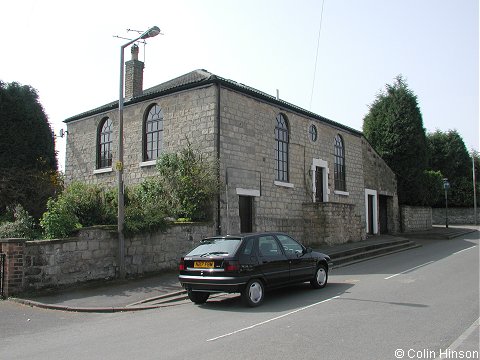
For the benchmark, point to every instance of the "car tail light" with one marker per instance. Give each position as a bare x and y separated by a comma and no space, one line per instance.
231,265
181,266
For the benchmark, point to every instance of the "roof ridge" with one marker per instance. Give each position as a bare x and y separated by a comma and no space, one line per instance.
187,78
201,76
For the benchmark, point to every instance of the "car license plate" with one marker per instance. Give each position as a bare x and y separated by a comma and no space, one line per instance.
204,264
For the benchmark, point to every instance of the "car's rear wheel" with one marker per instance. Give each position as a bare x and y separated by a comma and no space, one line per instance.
198,297
321,277
254,293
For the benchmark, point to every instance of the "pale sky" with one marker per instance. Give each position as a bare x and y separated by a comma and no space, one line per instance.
67,51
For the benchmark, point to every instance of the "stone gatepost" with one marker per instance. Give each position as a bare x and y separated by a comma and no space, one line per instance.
14,250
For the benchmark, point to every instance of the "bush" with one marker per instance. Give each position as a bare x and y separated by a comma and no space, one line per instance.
22,226
184,188
89,203
59,221
189,184
78,206
145,208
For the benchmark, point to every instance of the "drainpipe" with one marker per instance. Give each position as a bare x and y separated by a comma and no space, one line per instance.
219,227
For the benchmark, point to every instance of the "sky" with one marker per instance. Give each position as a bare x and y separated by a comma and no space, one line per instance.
68,52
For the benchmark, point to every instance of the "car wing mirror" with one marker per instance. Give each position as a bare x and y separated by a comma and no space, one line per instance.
307,250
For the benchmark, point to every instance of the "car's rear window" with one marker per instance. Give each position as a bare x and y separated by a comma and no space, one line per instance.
216,247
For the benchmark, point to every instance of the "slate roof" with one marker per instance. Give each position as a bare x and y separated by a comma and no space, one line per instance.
202,77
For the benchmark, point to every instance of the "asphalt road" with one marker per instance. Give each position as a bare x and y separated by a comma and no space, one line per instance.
418,304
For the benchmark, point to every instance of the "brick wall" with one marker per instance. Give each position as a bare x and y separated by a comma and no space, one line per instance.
14,256
416,218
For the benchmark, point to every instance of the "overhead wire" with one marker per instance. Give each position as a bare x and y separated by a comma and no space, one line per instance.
316,56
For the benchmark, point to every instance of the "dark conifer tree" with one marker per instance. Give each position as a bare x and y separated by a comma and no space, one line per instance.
394,127
28,164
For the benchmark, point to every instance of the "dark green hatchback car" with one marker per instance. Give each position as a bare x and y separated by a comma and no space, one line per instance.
250,264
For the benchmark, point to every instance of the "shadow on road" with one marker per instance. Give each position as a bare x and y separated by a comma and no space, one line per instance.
386,302
279,300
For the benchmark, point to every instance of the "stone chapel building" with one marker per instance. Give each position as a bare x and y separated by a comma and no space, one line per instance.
282,167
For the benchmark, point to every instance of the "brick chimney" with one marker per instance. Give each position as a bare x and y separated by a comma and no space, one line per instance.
133,75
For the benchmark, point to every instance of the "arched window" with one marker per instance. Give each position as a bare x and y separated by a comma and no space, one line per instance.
153,134
313,133
281,149
104,144
339,171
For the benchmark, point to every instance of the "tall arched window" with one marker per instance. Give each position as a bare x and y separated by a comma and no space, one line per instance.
153,134
339,171
281,149
104,144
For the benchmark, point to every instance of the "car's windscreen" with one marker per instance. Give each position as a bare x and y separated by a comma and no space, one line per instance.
216,247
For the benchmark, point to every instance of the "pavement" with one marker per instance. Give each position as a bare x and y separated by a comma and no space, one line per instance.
163,289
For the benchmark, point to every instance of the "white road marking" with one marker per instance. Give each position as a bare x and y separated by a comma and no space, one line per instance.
458,252
273,319
403,272
461,338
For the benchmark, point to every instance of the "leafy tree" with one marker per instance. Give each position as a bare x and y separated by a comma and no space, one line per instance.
28,166
394,127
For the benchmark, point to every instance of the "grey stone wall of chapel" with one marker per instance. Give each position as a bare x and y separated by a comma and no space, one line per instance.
247,155
186,115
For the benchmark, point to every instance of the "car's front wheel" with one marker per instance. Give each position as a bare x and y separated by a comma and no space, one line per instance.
198,297
254,293
321,277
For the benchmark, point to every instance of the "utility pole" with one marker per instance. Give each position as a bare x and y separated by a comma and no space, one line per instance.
446,186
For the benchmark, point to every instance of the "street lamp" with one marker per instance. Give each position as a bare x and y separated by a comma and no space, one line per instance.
153,31
446,186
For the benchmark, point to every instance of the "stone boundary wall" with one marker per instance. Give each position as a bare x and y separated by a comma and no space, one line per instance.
456,216
148,253
331,223
93,255
415,218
